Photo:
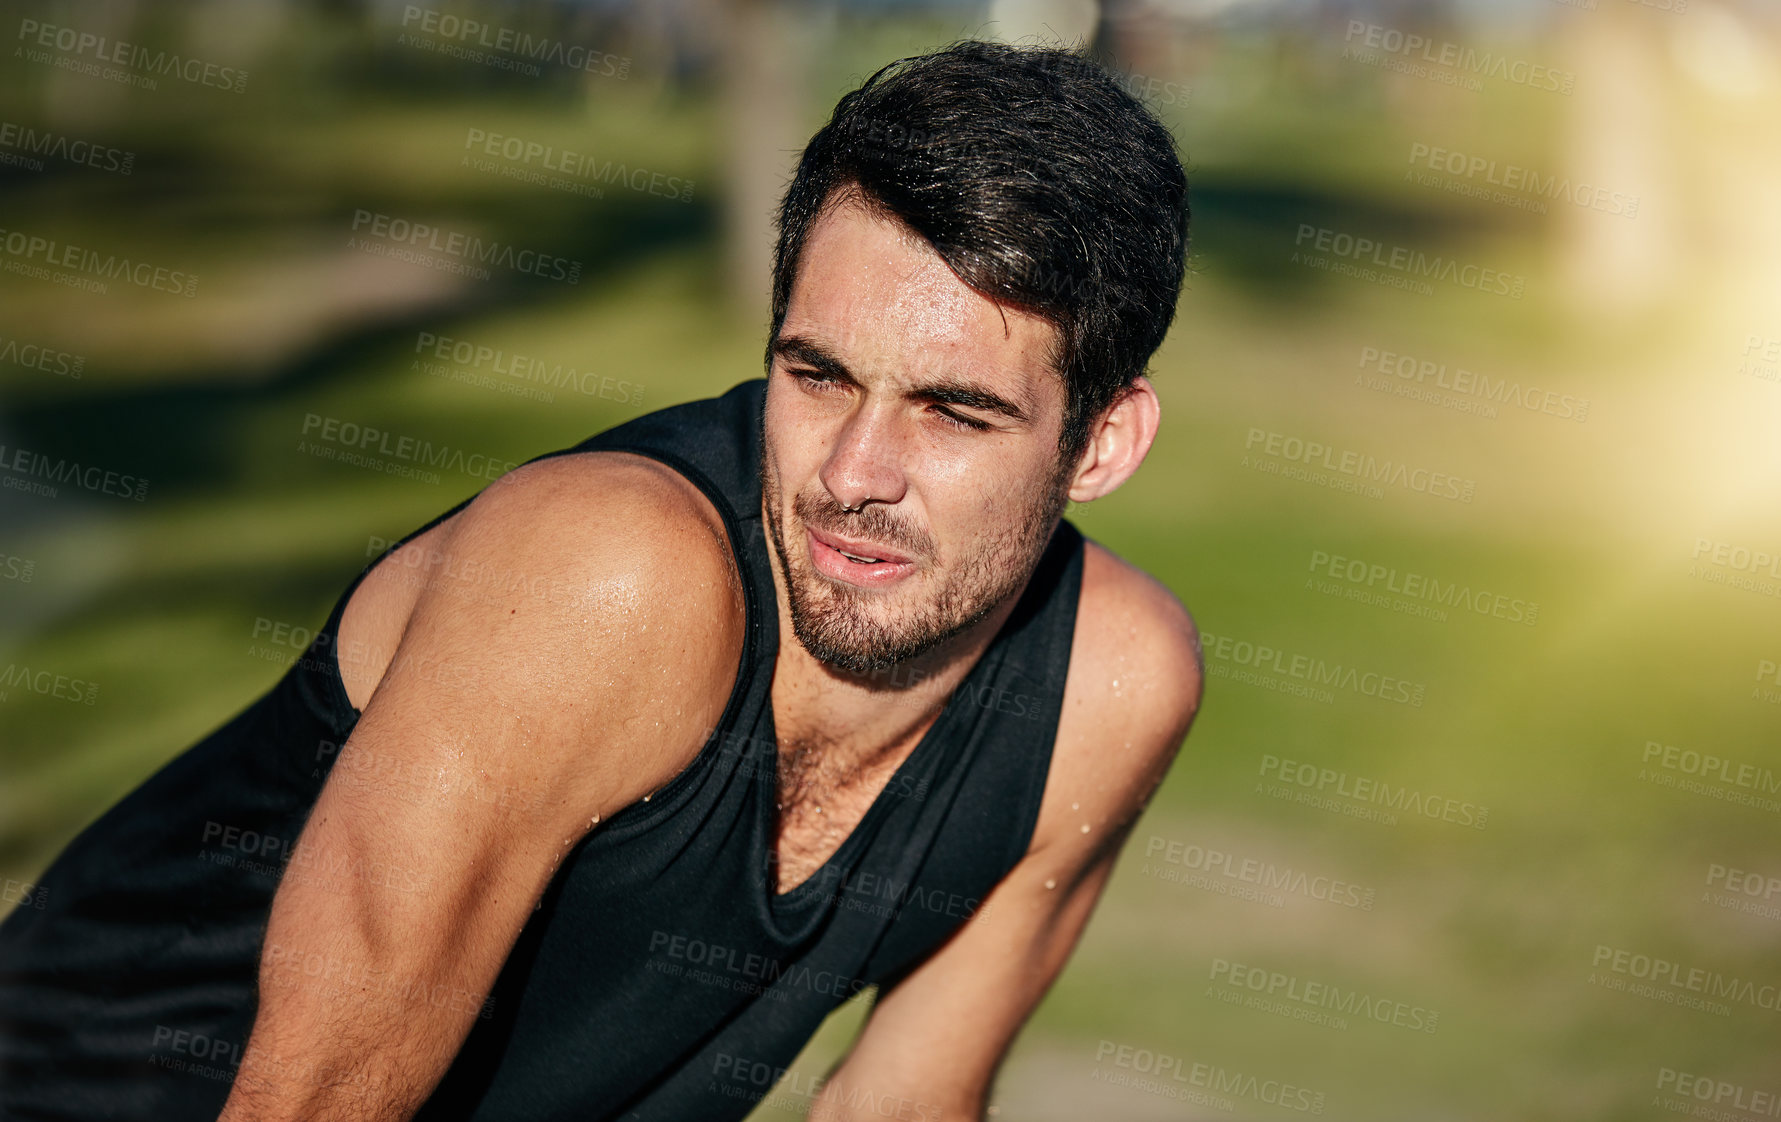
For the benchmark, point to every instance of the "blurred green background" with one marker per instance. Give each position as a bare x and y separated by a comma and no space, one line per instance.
1637,522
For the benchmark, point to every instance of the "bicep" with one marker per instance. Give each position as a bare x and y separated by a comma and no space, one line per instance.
504,724
509,718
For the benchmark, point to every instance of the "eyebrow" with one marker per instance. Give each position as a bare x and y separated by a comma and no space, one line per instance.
947,391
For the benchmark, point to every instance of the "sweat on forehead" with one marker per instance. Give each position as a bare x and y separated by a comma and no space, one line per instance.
874,293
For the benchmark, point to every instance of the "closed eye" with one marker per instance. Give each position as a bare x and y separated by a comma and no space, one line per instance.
811,377
956,420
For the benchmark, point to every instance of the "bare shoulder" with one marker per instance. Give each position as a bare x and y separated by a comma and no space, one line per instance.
610,552
1131,695
568,587
1128,619
579,507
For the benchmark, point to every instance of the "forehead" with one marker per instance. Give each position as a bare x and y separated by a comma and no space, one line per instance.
877,293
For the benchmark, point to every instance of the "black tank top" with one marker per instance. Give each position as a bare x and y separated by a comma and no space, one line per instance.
661,976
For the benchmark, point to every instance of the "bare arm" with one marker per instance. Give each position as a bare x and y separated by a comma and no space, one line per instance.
934,1040
504,724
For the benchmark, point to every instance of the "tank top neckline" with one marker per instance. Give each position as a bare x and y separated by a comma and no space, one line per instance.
836,866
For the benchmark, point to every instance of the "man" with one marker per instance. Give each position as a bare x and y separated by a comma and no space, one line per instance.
596,794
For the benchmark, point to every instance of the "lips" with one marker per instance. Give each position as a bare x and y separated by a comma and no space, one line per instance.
878,568
859,550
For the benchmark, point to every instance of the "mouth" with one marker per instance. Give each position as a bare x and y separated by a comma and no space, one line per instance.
856,562
858,550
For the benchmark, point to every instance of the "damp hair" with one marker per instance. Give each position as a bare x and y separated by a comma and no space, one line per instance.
1040,182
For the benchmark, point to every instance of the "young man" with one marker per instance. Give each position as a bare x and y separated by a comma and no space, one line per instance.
596,794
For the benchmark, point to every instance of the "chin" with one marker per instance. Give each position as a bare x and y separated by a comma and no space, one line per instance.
864,634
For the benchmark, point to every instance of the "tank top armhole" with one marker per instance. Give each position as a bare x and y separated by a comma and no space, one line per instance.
1039,776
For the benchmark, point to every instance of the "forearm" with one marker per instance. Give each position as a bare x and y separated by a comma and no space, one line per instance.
350,1026
374,969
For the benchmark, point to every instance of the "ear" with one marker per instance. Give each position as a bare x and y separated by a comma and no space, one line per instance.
1118,442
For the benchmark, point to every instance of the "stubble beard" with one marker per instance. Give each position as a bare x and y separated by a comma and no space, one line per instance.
850,628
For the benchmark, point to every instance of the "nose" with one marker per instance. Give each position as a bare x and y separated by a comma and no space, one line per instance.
868,458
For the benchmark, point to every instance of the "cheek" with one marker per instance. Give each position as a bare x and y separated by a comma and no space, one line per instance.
992,482
973,504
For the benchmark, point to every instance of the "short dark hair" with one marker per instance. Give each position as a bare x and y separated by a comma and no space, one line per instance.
1039,181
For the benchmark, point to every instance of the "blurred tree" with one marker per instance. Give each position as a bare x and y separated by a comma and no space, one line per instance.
762,94
1616,127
